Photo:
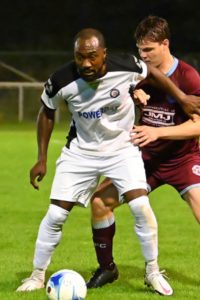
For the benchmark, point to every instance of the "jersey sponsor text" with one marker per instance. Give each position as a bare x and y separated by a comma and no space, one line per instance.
98,113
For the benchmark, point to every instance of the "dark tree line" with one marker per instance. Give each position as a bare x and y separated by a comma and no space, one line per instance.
50,25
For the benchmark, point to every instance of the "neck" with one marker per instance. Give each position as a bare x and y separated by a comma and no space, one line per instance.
167,63
104,69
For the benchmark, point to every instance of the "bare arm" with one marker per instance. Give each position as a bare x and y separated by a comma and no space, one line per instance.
189,103
45,124
143,135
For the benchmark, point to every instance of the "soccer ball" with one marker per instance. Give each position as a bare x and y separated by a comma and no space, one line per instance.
66,285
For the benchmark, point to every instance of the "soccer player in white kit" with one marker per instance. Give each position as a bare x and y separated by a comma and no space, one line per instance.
95,87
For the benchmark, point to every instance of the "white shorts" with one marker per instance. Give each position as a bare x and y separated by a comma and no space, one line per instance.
77,175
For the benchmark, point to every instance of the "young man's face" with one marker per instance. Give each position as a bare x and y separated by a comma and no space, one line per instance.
153,53
89,58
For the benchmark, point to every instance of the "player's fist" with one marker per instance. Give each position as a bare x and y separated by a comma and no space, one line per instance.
37,173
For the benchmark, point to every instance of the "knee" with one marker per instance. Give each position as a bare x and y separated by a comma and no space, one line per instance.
143,213
193,200
99,209
134,194
56,215
197,217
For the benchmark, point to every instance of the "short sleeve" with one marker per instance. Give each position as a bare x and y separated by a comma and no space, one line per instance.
51,96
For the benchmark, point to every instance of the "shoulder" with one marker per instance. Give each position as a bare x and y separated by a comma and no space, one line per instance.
124,62
187,78
60,78
185,67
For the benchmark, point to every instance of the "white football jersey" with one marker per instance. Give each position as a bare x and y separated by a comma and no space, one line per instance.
103,112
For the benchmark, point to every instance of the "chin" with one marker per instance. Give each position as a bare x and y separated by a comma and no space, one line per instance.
89,78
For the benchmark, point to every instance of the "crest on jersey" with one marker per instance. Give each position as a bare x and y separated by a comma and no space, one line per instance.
48,87
196,170
114,93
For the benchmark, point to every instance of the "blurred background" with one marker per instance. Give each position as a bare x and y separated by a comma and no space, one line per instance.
36,38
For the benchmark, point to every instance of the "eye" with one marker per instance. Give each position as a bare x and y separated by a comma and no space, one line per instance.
93,57
79,57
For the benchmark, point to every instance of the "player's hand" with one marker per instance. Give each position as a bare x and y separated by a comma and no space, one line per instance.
195,118
140,97
143,135
37,173
191,105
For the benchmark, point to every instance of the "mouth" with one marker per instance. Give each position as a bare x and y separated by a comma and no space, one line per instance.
87,71
88,74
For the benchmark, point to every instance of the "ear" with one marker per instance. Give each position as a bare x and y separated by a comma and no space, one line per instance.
165,42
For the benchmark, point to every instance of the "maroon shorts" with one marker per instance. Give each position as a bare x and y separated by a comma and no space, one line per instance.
182,173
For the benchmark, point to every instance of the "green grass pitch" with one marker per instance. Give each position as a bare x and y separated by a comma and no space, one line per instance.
22,208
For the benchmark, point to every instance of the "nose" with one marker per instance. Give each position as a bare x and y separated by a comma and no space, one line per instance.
86,63
143,54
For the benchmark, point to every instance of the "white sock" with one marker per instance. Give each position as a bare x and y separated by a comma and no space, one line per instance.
152,266
49,236
103,224
38,274
145,227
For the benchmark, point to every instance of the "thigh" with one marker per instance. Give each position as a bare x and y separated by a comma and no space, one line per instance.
104,200
126,170
75,179
192,197
108,194
182,174
154,178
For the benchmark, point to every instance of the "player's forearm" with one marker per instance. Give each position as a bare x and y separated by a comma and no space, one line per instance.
45,124
159,80
186,130
189,103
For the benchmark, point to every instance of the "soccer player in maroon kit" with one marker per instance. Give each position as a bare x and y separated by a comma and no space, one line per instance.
168,140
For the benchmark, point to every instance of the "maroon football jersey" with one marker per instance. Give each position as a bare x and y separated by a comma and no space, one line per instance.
163,110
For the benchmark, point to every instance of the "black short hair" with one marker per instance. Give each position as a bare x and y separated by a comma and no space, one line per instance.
87,33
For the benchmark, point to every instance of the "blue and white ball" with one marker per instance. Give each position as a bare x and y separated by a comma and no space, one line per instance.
66,285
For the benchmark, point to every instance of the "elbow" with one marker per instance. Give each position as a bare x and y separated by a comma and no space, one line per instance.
49,113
